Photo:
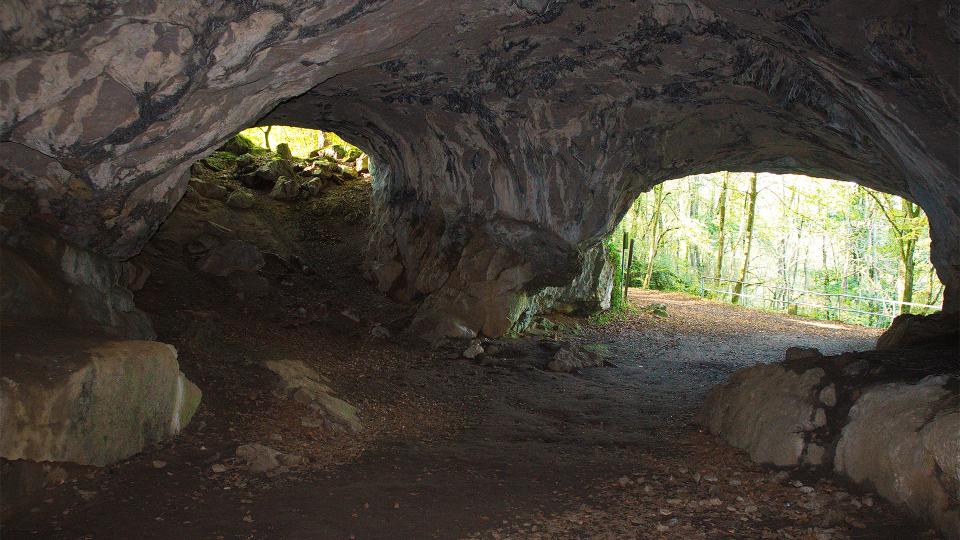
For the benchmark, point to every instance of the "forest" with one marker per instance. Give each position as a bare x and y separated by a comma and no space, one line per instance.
808,246
300,141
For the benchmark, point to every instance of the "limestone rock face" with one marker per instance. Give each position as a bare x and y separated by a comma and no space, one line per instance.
88,402
47,280
765,410
904,439
589,292
867,416
908,331
549,115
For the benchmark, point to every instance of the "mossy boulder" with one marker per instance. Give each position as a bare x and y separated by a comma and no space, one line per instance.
286,189
241,200
89,402
267,174
239,145
363,163
346,152
220,161
283,150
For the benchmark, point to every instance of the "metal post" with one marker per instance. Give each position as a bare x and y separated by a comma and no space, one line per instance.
623,257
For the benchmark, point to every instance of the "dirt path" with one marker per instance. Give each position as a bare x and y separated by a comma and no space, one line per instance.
675,359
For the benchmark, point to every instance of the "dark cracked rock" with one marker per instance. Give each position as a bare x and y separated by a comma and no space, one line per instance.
506,138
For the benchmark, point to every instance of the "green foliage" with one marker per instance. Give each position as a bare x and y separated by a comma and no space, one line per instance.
221,161
617,303
239,145
301,141
809,234
663,277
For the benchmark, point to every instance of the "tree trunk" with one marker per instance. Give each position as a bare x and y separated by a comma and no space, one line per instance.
751,213
718,271
908,269
266,136
908,250
654,233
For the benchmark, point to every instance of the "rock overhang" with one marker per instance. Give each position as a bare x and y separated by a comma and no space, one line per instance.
551,114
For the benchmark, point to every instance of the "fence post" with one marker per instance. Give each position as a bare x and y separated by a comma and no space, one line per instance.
623,256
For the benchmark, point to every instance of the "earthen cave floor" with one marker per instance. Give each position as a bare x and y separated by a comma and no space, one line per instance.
454,448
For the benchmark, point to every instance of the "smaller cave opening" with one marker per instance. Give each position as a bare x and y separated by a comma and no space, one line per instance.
272,202
802,246
273,227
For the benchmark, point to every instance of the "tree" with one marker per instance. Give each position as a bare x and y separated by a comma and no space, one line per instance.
907,223
655,232
718,273
266,136
751,214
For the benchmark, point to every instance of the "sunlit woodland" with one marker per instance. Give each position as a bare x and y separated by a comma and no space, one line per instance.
808,246
301,141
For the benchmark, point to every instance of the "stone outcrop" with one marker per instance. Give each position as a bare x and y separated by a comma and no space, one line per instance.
904,440
87,401
572,357
45,280
862,415
766,410
548,116
911,331
308,387
587,293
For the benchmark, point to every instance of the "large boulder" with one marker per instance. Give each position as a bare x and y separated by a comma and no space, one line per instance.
283,150
904,440
765,410
363,163
241,200
868,416
571,357
908,330
208,190
238,145
89,402
286,189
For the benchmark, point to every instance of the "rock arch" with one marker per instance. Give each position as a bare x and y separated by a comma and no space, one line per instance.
509,137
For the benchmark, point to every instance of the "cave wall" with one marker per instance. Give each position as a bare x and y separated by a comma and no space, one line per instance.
508,137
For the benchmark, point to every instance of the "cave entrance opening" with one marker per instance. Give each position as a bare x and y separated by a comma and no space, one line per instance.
273,205
811,247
